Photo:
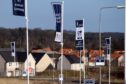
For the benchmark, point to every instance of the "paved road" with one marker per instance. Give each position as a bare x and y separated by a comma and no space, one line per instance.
67,81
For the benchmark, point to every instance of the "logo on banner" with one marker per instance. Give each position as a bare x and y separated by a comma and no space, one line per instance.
79,23
58,37
19,7
79,34
58,18
79,44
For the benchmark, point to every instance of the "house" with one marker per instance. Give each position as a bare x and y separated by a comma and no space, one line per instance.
54,57
91,62
13,66
93,54
43,61
2,65
117,59
121,60
30,61
70,62
38,62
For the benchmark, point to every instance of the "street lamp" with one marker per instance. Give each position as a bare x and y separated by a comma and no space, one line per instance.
100,14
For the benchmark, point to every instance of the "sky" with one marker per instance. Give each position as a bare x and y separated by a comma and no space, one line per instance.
40,15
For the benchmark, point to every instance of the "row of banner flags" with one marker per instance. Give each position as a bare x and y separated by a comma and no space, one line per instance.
19,10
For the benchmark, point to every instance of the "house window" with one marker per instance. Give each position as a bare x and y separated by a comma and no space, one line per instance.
10,64
29,63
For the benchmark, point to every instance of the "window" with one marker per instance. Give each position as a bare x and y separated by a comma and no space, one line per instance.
10,64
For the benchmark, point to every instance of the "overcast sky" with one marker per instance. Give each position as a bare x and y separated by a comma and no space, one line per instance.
41,15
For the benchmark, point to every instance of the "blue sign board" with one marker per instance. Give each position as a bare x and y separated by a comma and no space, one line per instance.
89,81
100,60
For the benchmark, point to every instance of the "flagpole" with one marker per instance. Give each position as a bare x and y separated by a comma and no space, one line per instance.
80,67
110,61
84,51
27,39
62,43
15,52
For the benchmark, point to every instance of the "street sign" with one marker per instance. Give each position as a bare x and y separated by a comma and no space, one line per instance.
60,77
89,81
100,61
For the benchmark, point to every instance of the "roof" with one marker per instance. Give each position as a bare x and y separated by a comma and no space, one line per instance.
95,53
37,56
53,55
7,56
20,56
72,59
116,55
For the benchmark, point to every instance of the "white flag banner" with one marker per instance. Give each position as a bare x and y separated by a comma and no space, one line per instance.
58,37
13,49
80,33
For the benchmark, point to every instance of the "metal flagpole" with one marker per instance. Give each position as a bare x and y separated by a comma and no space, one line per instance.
84,50
100,43
109,60
118,7
15,52
62,44
27,39
125,49
80,66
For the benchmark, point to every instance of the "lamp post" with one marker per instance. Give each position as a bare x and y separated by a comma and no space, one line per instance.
100,14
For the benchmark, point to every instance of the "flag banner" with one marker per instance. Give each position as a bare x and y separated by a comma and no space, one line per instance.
57,8
108,41
108,47
13,49
18,7
79,34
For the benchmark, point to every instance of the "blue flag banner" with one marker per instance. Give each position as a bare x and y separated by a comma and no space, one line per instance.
18,7
57,7
107,41
79,34
13,49
108,45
